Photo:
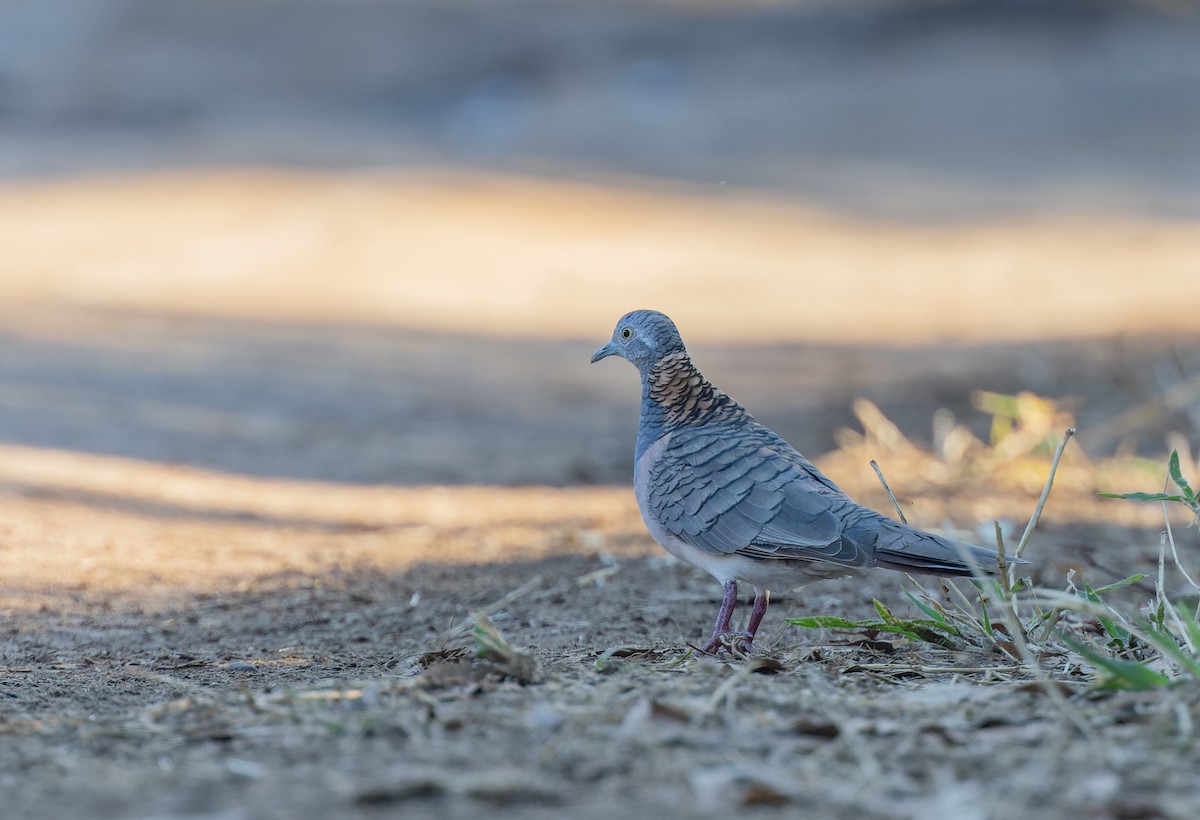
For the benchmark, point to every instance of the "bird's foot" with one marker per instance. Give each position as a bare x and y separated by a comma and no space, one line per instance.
735,643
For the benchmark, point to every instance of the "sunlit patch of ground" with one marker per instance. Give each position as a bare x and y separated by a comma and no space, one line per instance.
118,529
523,257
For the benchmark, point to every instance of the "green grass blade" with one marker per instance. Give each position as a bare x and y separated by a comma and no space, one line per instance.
928,634
830,622
1177,476
922,629
930,612
1142,498
1119,674
1110,626
1167,645
987,621
926,631
1124,582
1193,628
883,611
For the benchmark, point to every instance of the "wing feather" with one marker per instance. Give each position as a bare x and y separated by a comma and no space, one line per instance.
746,491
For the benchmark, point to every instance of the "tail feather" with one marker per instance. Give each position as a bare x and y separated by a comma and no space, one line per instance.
979,558
903,548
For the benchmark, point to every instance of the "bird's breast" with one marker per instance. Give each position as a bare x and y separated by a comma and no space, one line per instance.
641,484
641,489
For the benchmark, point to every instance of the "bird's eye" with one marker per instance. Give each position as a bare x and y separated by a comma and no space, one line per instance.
626,332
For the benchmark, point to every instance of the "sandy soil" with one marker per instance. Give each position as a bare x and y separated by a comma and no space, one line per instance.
180,642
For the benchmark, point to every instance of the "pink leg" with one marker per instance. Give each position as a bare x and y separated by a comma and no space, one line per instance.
724,616
761,601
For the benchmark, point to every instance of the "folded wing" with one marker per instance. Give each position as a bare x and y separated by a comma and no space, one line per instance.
742,489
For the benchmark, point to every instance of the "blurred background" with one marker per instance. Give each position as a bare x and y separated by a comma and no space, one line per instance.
374,241
297,299
890,107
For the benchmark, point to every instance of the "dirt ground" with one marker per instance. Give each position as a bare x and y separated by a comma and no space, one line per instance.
264,649
240,553
296,303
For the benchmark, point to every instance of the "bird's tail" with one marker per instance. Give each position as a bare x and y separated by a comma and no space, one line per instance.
909,550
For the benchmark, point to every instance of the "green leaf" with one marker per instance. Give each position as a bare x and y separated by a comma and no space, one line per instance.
1167,644
1119,674
913,630
883,611
932,612
1193,628
987,621
1124,582
1115,632
921,628
925,623
828,622
1177,476
1143,497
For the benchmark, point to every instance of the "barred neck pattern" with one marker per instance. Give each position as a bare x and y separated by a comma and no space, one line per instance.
674,395
675,385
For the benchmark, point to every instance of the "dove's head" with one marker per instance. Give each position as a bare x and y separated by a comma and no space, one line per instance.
642,337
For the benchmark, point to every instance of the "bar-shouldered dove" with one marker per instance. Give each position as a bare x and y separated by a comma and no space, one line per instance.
721,491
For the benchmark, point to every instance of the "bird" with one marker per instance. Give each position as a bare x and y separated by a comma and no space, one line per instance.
721,491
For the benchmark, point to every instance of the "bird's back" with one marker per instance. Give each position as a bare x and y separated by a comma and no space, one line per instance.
727,485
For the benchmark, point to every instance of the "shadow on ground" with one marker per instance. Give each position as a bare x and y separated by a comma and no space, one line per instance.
369,405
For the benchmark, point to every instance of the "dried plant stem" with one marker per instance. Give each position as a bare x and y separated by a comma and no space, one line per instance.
1051,622
465,626
1037,512
1002,564
1029,659
1159,585
1045,681
1168,537
1175,551
888,490
964,606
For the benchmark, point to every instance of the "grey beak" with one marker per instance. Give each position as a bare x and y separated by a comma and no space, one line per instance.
609,349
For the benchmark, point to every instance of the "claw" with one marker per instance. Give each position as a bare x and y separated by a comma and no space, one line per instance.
739,642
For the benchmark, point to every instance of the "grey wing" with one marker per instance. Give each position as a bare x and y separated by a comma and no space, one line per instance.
747,491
